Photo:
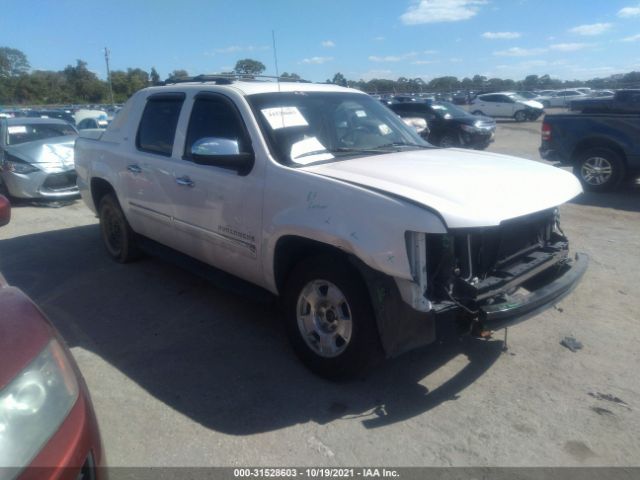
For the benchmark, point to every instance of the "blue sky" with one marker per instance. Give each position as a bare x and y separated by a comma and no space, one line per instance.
568,39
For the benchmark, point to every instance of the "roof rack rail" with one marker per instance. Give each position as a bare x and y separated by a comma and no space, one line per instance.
228,79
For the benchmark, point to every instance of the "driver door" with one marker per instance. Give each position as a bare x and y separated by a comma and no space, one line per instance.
218,208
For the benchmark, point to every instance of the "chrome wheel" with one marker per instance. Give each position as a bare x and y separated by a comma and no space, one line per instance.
596,170
324,318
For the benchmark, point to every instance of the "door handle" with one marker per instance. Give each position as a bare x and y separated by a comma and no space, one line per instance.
185,181
134,168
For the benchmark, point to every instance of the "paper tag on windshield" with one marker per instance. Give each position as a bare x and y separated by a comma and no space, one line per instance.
308,151
13,129
284,117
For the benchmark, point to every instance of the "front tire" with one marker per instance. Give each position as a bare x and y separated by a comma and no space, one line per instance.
329,318
477,112
117,236
520,116
599,169
449,141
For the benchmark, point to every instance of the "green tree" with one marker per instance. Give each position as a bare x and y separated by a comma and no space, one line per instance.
154,76
292,76
444,83
84,84
338,79
138,79
13,62
249,67
179,74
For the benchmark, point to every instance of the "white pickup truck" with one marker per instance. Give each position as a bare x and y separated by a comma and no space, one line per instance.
323,196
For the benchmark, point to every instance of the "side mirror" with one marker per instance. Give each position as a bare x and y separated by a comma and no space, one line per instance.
5,211
211,146
221,152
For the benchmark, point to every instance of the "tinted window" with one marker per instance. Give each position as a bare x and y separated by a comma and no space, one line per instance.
158,124
410,108
448,110
489,98
87,123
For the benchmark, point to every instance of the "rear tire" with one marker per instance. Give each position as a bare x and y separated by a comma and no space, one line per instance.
329,318
477,112
599,169
117,236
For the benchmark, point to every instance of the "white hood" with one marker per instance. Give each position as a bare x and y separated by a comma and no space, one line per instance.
468,188
533,104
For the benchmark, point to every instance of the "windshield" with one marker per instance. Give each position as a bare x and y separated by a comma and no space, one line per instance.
449,110
17,134
310,127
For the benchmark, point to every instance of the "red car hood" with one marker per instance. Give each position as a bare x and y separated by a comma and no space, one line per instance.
24,332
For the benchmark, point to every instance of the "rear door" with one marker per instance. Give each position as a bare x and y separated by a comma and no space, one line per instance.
147,171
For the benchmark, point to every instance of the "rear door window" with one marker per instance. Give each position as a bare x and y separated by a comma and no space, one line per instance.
157,129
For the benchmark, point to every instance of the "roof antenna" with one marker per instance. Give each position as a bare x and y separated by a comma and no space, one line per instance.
275,58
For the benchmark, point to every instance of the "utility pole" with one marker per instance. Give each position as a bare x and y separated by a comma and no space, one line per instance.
275,53
106,59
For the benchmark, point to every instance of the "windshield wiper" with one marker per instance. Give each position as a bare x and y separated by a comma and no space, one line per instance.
337,150
399,144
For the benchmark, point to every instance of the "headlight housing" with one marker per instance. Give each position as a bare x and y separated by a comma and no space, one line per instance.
34,405
13,164
469,128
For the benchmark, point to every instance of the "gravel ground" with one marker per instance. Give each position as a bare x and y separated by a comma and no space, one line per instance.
185,373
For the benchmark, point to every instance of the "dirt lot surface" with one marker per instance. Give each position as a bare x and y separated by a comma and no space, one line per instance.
183,372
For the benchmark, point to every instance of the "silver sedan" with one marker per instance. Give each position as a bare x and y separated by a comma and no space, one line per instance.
36,158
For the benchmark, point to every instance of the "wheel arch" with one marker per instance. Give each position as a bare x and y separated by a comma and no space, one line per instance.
292,249
597,142
99,188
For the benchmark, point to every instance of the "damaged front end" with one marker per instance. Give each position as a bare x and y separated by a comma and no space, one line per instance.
499,276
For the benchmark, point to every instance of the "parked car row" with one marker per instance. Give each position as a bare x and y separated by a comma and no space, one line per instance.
87,117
